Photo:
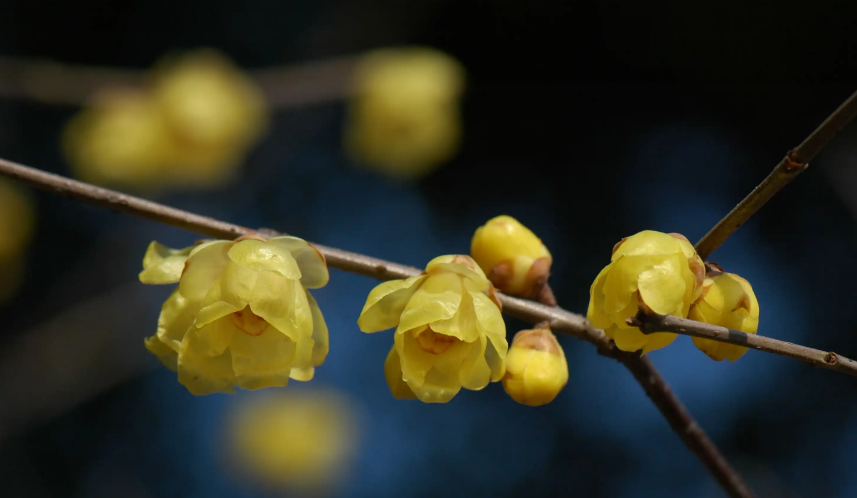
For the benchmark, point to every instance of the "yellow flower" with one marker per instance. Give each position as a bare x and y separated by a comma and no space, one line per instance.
404,119
659,271
294,439
727,300
214,112
121,139
450,332
536,370
514,259
241,314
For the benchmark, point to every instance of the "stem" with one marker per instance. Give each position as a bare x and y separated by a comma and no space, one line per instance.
560,320
795,162
824,359
55,83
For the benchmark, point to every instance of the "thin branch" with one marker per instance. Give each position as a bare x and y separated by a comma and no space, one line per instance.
795,162
65,84
823,359
560,320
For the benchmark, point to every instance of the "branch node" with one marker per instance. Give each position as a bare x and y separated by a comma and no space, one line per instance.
831,358
793,164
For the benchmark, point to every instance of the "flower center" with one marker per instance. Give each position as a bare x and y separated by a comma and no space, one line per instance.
249,322
432,342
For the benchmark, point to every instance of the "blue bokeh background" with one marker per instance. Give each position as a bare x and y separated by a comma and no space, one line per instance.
566,129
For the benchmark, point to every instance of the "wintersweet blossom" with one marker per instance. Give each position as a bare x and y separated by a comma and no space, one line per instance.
658,271
536,368
449,330
513,258
729,301
241,315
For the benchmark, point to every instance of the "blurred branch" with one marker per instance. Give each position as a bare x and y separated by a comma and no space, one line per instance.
795,162
55,83
823,359
561,320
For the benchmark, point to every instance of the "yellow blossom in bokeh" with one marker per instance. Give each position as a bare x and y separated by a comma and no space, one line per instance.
449,330
17,224
727,300
296,440
404,118
658,271
191,126
214,112
536,369
120,139
513,258
241,315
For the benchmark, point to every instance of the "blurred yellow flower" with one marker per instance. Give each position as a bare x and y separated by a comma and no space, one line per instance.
241,315
404,119
191,128
450,332
512,257
121,139
17,224
536,369
299,440
727,300
214,112
659,271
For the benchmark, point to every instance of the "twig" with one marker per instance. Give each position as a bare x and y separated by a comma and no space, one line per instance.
55,83
825,359
560,320
795,162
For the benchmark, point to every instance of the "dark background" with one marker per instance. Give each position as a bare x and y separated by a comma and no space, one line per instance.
588,121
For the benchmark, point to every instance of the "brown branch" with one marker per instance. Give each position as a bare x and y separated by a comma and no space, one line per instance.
795,162
824,359
65,84
560,320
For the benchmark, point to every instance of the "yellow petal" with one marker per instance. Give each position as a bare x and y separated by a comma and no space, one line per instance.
203,268
496,361
385,304
313,267
596,313
475,372
162,265
662,287
213,338
628,339
460,264
237,283
415,361
214,311
165,354
488,315
393,373
302,374
262,361
463,325
262,256
647,242
319,333
176,319
658,340
202,374
437,298
438,387
274,298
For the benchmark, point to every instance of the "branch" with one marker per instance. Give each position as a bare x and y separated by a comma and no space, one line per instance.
824,359
560,320
55,83
795,162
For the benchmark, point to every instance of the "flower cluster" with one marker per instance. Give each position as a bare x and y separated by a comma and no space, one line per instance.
662,274
190,127
404,119
449,330
241,315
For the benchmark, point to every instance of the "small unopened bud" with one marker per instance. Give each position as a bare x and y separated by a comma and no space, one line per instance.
727,300
513,258
536,370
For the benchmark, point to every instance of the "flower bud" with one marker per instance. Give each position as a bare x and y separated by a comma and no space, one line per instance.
727,300
536,370
650,270
513,258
